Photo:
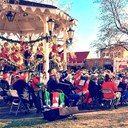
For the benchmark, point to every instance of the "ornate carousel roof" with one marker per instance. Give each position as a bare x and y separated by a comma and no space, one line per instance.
29,17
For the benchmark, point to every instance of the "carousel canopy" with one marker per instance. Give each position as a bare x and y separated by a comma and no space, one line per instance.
23,17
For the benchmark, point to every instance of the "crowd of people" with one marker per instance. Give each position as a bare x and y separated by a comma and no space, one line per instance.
65,88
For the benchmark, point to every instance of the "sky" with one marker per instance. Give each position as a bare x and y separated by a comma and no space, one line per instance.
86,12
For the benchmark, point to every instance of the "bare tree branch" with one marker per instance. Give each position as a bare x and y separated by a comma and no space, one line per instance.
114,24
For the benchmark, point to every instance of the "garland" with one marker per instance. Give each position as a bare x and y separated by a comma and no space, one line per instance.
68,43
6,61
16,41
33,66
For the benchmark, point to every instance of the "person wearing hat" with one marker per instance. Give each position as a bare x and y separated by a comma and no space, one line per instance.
81,83
36,85
52,85
25,91
68,89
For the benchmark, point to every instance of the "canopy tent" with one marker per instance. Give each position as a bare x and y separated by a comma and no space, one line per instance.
25,17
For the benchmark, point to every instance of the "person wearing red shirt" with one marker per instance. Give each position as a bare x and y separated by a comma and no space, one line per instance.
108,84
36,84
82,85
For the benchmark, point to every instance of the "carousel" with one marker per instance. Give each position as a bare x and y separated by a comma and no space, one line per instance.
30,33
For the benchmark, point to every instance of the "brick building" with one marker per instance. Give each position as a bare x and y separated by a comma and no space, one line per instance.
80,59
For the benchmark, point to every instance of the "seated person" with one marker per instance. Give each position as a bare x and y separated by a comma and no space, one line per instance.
122,87
36,85
81,84
24,91
52,85
108,84
4,86
95,89
68,89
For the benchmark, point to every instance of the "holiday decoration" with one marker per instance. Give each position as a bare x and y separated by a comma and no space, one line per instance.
17,41
55,100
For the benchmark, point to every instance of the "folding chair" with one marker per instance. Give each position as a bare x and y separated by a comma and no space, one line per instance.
108,98
4,94
16,103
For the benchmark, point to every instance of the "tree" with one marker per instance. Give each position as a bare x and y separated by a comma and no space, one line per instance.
59,3
113,30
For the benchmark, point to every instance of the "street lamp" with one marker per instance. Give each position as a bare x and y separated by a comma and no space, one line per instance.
10,16
51,24
70,34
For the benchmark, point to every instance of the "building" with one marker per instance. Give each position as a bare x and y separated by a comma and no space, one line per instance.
79,59
114,52
119,55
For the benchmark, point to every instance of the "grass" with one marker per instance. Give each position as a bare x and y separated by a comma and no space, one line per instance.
117,118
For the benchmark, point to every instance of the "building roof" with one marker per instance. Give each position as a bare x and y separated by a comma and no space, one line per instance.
28,17
78,57
30,3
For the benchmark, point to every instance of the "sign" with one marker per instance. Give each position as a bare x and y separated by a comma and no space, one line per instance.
120,63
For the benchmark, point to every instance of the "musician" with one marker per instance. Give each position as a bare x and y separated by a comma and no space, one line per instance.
68,88
4,54
17,58
27,55
39,56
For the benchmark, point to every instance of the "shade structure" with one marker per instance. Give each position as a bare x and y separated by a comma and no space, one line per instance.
29,17
25,17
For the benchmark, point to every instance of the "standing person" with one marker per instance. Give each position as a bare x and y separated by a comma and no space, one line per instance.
5,56
39,56
22,89
27,55
17,58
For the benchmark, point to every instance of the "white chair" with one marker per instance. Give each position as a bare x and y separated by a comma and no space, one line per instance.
16,103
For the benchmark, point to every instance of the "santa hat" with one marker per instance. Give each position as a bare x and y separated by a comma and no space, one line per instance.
54,48
78,74
60,48
21,43
26,47
6,75
22,76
